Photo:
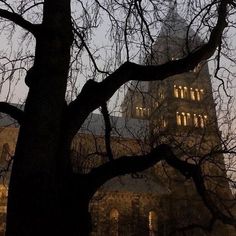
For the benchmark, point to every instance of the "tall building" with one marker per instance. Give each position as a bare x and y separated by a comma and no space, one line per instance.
180,111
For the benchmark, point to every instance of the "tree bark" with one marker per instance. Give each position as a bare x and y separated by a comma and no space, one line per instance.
41,170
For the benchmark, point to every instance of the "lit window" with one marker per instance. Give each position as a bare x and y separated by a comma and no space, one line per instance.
188,119
161,94
197,94
205,119
201,121
178,118
152,223
176,91
195,120
181,92
201,93
185,92
184,119
137,111
141,111
163,123
114,222
192,94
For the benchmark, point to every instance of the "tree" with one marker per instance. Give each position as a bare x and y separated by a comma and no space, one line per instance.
45,196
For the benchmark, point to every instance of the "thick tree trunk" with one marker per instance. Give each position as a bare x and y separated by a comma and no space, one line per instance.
41,172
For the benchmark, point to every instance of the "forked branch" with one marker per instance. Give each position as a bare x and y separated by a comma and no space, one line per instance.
19,20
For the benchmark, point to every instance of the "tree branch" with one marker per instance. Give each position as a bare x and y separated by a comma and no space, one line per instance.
126,165
195,172
94,94
108,129
19,20
12,111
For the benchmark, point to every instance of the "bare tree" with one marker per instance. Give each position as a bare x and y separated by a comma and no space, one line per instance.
45,196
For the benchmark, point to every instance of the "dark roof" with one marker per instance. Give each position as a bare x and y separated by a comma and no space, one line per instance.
94,124
121,126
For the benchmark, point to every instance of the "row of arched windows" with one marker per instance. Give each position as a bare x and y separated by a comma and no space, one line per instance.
142,111
187,119
184,92
114,223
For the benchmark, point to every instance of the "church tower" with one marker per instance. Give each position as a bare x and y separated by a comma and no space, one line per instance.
181,103
181,112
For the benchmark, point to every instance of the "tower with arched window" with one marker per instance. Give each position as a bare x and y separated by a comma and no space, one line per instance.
181,113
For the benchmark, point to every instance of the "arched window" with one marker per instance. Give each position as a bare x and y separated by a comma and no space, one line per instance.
197,94
176,91
181,92
200,121
185,92
188,119
201,93
184,119
114,222
152,223
192,94
178,118
195,120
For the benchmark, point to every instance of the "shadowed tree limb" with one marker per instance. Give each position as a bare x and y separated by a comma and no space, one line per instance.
194,171
19,20
126,165
12,111
108,129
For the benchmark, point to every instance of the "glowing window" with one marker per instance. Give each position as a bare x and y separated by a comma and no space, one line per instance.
114,222
184,119
163,123
152,223
197,94
195,120
201,93
181,92
178,118
192,94
188,119
185,92
161,94
176,91
201,121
